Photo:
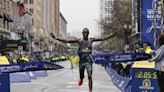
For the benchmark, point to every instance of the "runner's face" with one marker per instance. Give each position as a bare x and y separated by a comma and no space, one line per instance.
85,34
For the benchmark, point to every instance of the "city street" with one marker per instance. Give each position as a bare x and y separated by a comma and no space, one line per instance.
126,36
65,80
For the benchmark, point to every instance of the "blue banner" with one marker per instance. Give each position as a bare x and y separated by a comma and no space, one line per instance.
147,20
126,57
101,58
4,82
31,66
119,81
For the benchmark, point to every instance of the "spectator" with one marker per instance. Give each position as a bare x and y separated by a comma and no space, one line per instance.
138,48
127,65
147,48
159,62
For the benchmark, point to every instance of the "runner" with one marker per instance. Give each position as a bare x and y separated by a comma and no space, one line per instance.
84,52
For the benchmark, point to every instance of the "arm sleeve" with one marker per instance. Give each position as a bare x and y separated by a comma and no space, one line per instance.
159,55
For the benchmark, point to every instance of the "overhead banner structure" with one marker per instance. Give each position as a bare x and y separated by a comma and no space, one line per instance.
150,22
32,66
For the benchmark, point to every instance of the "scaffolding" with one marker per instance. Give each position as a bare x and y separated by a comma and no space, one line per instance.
155,8
155,22
162,14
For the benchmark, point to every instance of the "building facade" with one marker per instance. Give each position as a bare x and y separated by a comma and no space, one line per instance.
63,27
35,7
51,15
106,7
45,20
63,32
5,19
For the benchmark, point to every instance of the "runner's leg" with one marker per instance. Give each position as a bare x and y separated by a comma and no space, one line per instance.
89,71
81,71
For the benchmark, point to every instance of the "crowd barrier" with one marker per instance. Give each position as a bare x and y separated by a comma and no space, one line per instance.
32,74
119,81
19,77
23,72
143,77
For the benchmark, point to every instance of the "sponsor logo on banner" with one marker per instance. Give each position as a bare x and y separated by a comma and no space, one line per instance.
150,14
9,68
121,57
146,85
31,66
99,58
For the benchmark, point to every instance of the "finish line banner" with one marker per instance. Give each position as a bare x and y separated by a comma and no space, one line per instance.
129,57
31,66
105,59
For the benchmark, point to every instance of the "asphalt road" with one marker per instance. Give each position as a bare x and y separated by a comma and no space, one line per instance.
65,80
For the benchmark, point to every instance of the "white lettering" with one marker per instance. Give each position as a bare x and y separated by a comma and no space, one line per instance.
122,57
99,58
9,68
30,67
151,28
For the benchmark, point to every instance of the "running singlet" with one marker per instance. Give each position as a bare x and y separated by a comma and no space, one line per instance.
85,50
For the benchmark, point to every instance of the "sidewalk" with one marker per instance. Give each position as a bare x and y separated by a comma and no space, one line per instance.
65,80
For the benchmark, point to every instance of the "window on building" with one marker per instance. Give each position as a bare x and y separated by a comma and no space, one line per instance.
25,1
107,3
108,17
1,23
31,10
26,9
108,11
30,1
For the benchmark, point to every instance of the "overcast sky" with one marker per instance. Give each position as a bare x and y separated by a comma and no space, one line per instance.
80,14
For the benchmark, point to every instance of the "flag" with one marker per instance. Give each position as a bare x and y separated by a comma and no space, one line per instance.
22,10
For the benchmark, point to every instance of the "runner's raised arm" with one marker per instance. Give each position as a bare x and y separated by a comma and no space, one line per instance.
105,38
64,40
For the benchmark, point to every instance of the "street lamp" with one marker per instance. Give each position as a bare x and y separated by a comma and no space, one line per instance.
41,38
21,31
127,32
31,35
1,11
127,26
